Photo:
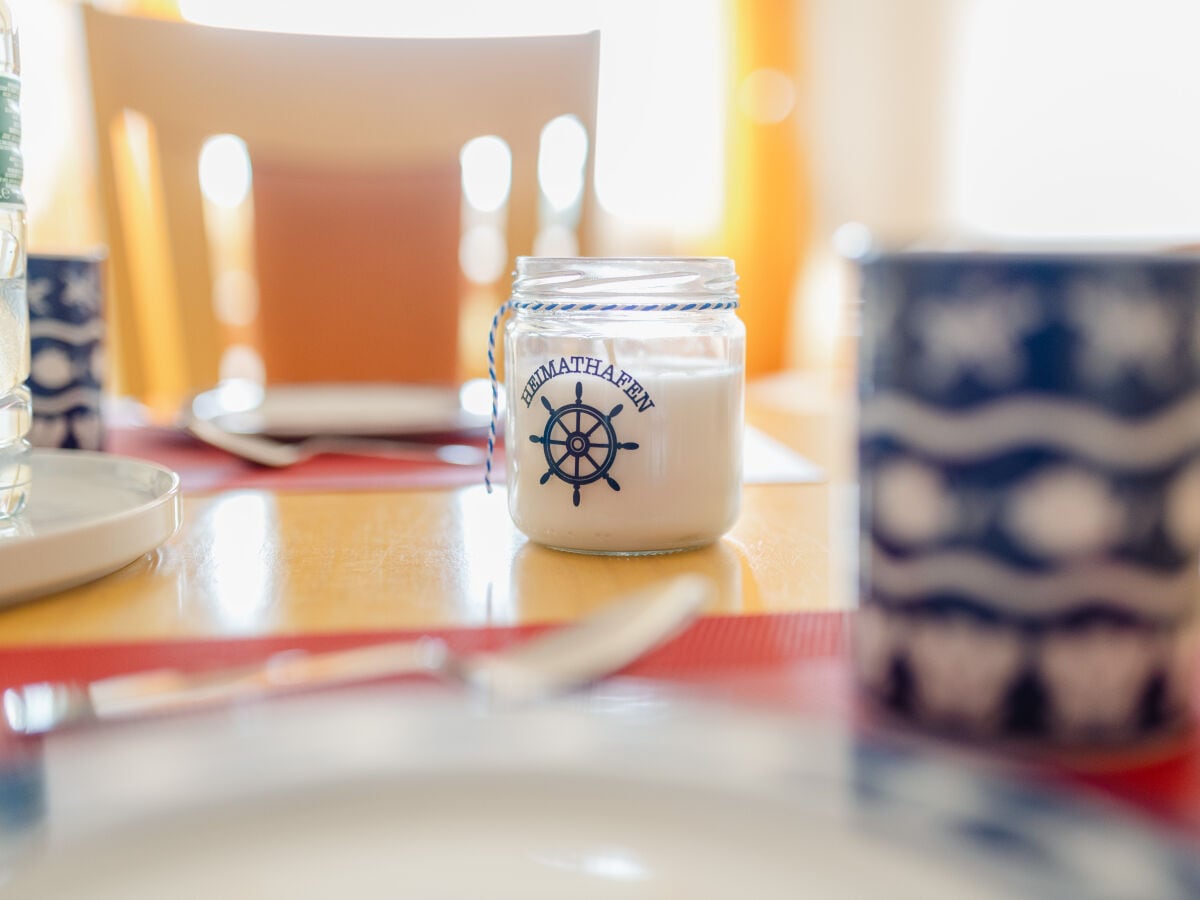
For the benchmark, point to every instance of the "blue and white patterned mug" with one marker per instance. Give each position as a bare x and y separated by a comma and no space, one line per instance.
1029,460
66,328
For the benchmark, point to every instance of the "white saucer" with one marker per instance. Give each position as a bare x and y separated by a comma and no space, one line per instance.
89,514
301,410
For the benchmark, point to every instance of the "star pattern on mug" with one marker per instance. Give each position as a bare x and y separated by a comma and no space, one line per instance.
37,292
975,333
1125,330
81,290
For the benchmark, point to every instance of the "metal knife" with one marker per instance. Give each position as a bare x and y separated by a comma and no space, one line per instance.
548,664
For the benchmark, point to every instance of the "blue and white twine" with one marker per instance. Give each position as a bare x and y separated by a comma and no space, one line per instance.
540,306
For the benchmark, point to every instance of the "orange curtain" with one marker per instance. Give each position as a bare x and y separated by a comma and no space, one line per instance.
767,223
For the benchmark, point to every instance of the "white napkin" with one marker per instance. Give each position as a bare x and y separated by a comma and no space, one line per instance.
767,461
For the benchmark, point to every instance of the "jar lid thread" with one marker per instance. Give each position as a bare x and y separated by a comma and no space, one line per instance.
541,306
491,354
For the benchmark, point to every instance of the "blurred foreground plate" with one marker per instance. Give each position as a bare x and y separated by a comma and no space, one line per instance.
302,410
399,791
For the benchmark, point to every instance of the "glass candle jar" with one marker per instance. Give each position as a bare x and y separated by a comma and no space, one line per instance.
624,386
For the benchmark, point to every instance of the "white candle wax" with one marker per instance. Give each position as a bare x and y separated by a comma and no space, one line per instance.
607,459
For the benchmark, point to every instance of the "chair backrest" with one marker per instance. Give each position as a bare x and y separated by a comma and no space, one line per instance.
355,145
357,272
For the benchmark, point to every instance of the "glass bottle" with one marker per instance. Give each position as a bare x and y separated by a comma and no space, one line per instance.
15,406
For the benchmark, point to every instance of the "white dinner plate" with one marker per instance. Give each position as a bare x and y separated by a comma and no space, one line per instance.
302,410
396,791
88,515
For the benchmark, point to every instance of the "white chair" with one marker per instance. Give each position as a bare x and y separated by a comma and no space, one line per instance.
354,144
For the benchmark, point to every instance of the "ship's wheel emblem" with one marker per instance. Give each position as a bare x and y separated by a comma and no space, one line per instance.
580,443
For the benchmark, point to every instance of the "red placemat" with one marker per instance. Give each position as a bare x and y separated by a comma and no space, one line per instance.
202,468
711,647
794,662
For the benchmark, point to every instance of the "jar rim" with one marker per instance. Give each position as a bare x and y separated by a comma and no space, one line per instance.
625,278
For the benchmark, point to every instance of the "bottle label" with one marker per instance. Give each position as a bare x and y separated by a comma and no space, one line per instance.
12,165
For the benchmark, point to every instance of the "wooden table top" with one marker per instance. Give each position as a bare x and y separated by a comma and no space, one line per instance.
259,563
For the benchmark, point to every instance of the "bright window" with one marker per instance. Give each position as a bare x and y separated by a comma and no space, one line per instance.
1076,119
660,151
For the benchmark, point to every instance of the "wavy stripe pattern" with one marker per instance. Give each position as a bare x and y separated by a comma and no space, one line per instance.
1020,593
85,332
1026,421
53,405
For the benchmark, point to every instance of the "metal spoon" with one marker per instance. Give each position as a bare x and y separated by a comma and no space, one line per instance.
546,665
277,454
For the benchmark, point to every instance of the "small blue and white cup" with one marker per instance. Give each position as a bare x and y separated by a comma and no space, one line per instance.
66,329
1029,461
